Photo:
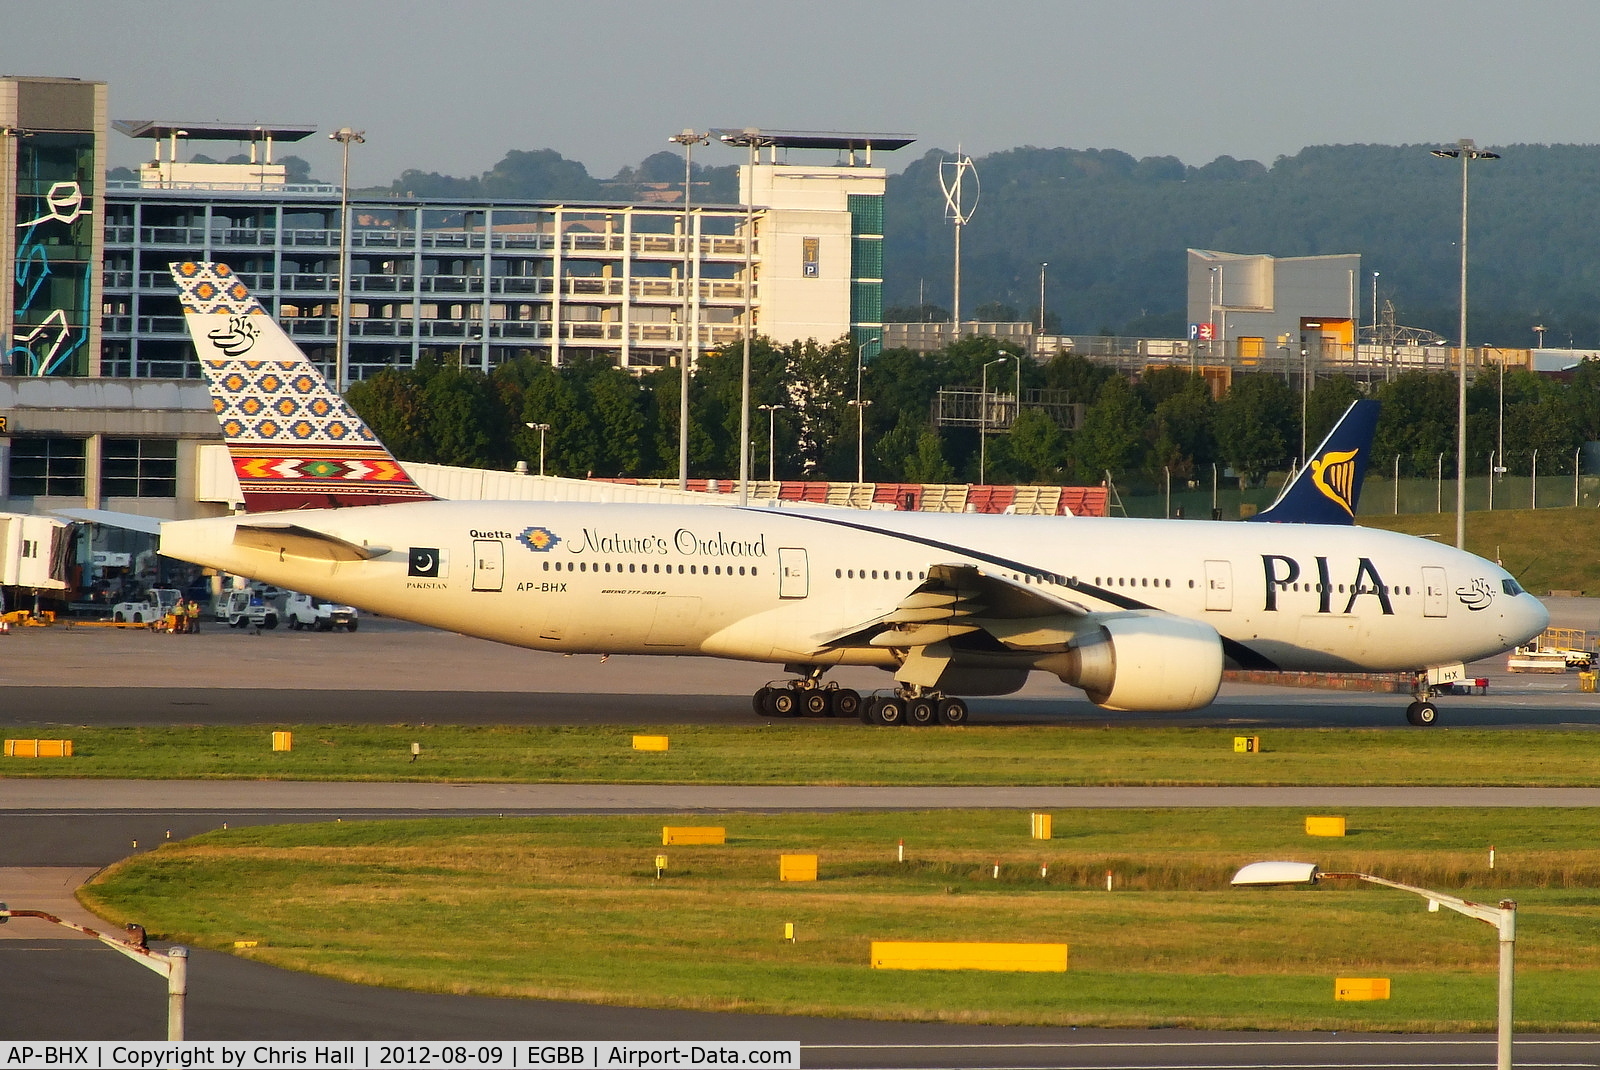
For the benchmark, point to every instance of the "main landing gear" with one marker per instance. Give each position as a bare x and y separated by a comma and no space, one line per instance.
913,706
808,697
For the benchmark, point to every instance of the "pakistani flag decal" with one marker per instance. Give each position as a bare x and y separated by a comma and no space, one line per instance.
424,562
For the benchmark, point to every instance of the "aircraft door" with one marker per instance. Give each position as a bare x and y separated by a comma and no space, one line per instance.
488,564
1435,602
1219,586
794,575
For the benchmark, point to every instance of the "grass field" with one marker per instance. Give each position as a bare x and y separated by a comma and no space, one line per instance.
1545,549
789,752
569,908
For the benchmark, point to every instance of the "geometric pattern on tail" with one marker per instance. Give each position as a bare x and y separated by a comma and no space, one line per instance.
287,431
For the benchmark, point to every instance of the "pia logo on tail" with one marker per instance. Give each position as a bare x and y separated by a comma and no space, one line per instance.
237,338
1334,474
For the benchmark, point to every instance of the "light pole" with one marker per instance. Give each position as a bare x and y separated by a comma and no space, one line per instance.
1503,917
861,407
541,428
1534,480
983,420
772,424
688,139
1438,488
173,965
861,436
341,357
1018,407
1042,268
1466,152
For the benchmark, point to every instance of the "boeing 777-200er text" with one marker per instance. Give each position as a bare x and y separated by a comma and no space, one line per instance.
1140,614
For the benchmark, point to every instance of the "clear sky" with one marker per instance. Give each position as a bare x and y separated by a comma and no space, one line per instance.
451,87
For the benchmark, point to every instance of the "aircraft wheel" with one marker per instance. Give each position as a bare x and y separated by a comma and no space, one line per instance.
869,709
1422,713
846,703
889,711
922,712
952,711
815,703
783,702
759,701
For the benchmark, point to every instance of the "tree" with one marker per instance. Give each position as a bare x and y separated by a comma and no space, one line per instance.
1112,435
465,426
1252,425
1037,446
1185,439
391,404
570,445
924,313
929,464
542,174
995,312
619,407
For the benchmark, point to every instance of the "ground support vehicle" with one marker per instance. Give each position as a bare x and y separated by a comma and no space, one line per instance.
158,603
304,611
242,608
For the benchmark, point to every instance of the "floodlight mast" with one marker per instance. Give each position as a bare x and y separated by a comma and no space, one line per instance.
1503,917
688,139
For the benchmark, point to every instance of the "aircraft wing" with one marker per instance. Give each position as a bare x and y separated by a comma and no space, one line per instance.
967,605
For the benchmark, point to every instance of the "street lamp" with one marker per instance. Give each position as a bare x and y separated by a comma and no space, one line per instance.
1503,917
688,139
341,358
861,436
754,140
541,428
174,965
772,423
983,418
1466,152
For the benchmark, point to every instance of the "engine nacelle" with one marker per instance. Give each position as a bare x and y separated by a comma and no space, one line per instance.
1153,662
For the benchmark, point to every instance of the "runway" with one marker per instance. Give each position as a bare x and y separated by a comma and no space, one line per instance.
54,833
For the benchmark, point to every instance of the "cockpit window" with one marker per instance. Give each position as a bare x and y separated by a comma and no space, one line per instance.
1510,586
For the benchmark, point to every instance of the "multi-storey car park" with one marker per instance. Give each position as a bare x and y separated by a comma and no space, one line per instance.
481,282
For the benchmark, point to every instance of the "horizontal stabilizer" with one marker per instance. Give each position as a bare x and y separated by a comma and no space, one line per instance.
150,525
291,540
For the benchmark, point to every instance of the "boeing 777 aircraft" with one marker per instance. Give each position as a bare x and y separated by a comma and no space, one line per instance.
1139,614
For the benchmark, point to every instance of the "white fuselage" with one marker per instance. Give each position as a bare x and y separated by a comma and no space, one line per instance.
774,585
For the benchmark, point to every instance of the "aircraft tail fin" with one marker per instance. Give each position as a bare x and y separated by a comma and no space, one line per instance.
1328,488
295,443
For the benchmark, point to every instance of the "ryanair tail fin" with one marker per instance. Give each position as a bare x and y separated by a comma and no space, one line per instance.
295,443
1327,489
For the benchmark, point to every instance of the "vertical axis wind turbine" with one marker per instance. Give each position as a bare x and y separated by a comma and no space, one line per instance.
952,174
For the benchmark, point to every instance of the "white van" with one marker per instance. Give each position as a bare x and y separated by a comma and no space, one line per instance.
304,611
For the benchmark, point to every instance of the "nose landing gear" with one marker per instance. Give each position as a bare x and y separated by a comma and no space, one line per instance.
1422,711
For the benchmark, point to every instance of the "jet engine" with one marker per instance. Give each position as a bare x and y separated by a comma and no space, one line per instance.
1151,662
